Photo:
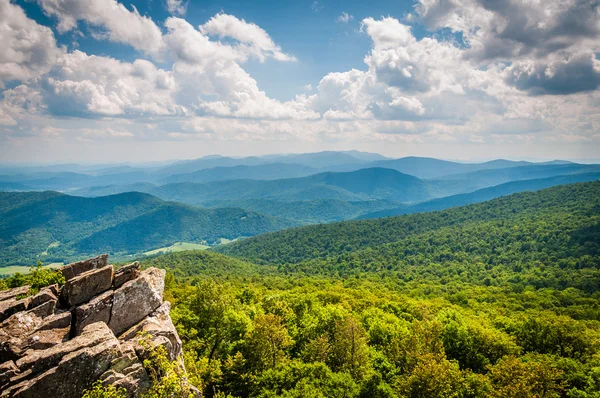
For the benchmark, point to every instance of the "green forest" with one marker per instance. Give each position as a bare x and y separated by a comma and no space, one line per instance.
496,299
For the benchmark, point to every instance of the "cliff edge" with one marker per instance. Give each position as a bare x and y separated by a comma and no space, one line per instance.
60,341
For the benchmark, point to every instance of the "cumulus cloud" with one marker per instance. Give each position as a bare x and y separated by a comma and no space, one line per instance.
514,29
28,49
506,83
121,25
81,84
253,39
577,73
549,43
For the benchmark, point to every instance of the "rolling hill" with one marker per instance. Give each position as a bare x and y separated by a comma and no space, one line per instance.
360,185
308,211
483,195
322,241
54,227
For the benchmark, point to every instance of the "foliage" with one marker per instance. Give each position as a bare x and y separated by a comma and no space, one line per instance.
489,300
168,378
37,278
100,391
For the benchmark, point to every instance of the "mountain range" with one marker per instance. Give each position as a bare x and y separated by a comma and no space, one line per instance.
126,209
55,227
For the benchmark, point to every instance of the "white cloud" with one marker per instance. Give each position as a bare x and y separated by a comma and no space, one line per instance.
176,7
91,85
551,44
430,90
28,49
345,18
121,24
252,38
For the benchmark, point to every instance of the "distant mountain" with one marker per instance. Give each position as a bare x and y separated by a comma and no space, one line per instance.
71,178
487,178
360,185
208,162
308,212
366,156
483,195
54,227
321,159
431,168
271,171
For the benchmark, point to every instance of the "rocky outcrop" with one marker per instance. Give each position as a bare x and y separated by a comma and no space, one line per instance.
58,342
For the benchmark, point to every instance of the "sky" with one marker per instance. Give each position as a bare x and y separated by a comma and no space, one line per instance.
102,81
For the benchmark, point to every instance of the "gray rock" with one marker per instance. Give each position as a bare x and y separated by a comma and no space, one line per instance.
45,309
126,273
41,360
127,372
42,297
13,293
83,287
47,350
97,310
75,372
72,270
12,306
26,330
159,327
137,298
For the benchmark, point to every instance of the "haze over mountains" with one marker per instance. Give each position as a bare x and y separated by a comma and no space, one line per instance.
127,209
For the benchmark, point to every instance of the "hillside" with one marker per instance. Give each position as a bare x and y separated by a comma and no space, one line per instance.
322,241
308,211
498,299
54,227
483,195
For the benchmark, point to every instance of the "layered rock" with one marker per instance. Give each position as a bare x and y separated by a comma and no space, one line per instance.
60,341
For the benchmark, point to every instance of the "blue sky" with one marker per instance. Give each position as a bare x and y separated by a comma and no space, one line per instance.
168,79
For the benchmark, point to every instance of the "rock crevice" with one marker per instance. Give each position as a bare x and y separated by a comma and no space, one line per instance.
60,341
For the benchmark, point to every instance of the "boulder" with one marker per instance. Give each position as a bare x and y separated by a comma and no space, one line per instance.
126,273
12,306
72,270
13,293
127,372
53,347
160,329
45,309
42,297
97,310
137,298
27,330
75,373
83,287
14,332
41,360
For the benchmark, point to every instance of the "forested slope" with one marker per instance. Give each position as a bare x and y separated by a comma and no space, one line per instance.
578,203
54,227
498,299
